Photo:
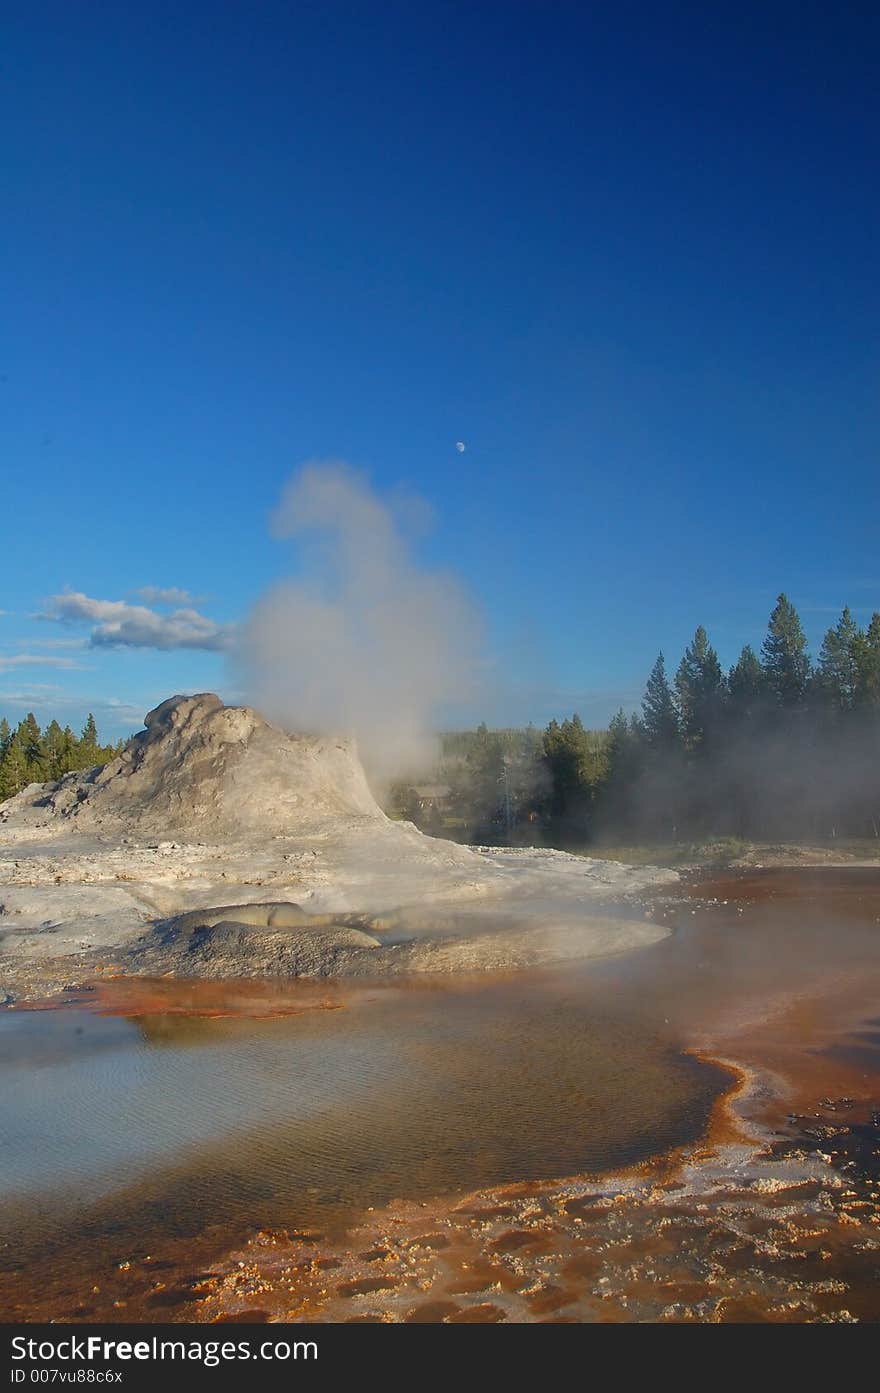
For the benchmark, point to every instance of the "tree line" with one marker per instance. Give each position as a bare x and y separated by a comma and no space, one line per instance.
30,755
780,745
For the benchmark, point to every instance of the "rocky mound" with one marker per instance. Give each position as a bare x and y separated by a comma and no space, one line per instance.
269,939
216,845
205,771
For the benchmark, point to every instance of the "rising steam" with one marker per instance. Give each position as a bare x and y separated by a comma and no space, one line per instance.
363,640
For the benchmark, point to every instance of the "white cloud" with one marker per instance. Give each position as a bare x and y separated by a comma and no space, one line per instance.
156,595
37,691
834,609
119,624
16,660
29,642
114,716
60,643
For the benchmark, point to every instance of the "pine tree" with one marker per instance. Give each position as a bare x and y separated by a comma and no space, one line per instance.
660,721
14,770
5,737
69,750
577,764
618,730
565,750
867,663
700,685
53,743
837,675
88,753
786,662
485,771
624,756
745,683
32,744
486,756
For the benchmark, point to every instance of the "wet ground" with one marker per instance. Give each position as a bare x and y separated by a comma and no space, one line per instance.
686,1133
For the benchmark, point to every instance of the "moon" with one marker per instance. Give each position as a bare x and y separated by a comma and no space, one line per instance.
460,446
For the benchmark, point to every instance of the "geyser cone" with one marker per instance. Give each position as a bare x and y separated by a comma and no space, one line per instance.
207,771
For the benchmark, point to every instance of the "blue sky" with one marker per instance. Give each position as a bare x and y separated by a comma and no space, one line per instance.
627,254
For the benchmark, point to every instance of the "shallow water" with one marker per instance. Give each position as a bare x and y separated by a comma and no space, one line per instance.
202,1112
300,1119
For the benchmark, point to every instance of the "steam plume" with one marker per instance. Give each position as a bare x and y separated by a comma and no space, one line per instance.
363,639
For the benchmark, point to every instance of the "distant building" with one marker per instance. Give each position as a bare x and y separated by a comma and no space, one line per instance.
431,795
